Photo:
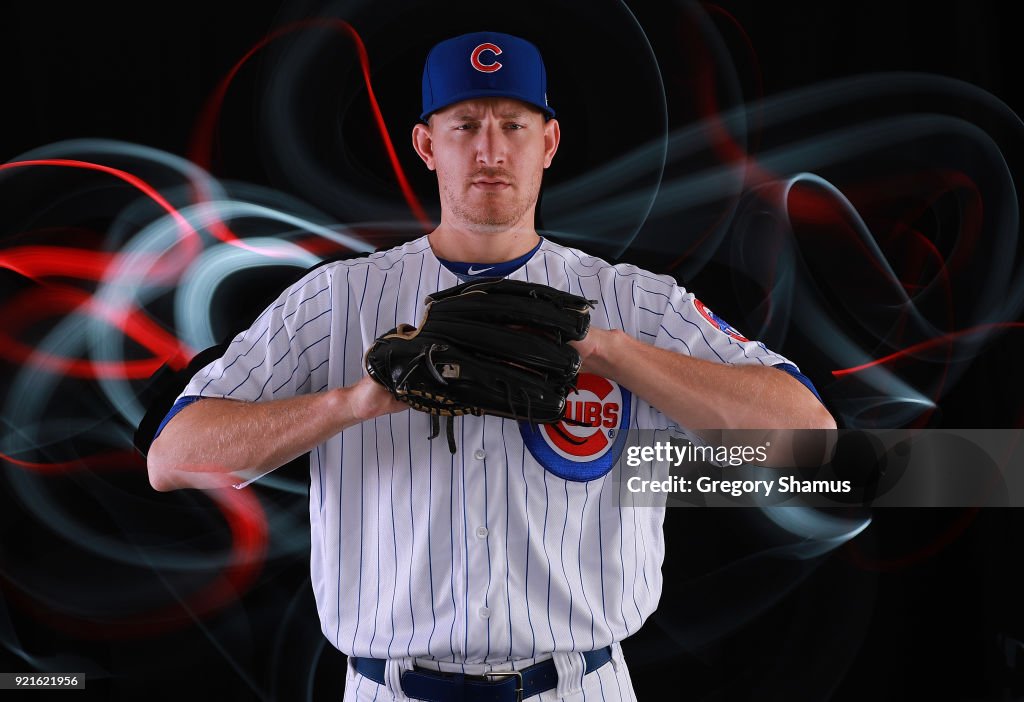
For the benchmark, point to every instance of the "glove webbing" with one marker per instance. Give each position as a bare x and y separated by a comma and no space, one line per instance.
435,422
435,429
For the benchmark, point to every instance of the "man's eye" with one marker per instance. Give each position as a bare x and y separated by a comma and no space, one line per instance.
513,125
464,127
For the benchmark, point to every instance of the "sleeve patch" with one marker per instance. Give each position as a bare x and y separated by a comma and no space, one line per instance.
717,322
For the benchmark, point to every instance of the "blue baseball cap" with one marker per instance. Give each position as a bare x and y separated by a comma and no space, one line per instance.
484,64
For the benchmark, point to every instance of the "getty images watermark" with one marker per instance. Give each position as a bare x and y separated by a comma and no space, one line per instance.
876,468
676,455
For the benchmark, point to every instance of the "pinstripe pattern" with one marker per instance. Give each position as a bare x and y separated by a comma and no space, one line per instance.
400,562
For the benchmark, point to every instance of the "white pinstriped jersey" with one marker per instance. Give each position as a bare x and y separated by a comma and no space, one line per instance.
483,556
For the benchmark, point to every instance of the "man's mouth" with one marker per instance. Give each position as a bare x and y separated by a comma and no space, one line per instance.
491,185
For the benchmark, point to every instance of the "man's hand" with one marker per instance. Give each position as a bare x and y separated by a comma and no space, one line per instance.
591,349
371,399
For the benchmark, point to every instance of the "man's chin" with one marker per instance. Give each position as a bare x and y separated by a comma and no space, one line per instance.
493,226
497,220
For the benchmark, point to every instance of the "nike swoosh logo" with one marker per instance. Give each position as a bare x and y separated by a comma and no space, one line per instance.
470,271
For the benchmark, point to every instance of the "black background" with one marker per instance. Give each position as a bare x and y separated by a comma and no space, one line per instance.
925,604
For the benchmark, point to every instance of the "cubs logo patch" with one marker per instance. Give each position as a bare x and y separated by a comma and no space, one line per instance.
478,64
582,453
716,321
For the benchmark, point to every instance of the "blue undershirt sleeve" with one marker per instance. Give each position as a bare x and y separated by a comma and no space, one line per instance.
179,405
792,370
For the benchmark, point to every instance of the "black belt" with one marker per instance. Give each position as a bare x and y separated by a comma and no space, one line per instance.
437,686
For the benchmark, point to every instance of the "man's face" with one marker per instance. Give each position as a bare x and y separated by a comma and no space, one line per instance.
489,155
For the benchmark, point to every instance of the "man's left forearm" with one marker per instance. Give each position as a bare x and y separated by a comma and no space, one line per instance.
699,394
726,405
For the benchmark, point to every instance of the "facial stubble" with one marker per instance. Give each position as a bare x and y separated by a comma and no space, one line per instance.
494,209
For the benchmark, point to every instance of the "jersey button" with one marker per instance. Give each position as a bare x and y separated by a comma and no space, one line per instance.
481,532
484,612
479,454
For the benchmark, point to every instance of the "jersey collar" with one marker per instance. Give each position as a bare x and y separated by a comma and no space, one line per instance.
474,271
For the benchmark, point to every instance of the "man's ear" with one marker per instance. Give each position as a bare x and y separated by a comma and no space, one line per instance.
423,143
552,135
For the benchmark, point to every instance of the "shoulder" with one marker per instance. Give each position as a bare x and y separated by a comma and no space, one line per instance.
583,265
340,267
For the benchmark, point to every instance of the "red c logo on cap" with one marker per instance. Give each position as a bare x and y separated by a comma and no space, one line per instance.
474,58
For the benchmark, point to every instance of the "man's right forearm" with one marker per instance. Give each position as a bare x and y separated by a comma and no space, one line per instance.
211,440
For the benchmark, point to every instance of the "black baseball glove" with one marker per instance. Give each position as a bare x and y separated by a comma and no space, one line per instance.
492,346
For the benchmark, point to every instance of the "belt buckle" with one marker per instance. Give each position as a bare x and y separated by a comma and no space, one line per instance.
510,674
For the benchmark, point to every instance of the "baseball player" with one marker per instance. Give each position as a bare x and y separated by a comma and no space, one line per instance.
510,569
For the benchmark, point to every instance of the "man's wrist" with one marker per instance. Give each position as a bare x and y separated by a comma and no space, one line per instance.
345,404
362,402
604,358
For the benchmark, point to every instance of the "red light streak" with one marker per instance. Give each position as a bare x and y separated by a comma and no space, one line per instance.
189,235
202,139
930,343
36,305
247,523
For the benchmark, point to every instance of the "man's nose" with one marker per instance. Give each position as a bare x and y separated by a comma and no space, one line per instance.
491,147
